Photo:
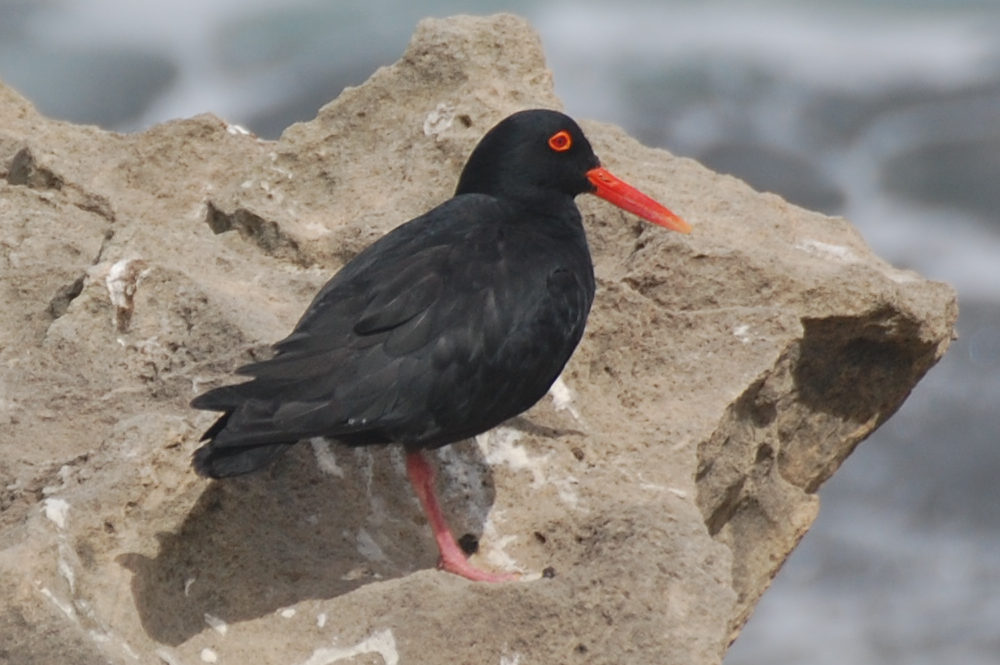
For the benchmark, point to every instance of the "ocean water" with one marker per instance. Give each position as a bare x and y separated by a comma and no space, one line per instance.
886,112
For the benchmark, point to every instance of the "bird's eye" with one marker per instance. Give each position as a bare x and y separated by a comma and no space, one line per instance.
561,141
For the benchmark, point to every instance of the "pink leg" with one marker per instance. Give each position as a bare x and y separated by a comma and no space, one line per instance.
452,557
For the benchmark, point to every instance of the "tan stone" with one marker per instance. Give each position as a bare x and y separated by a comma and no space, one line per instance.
724,376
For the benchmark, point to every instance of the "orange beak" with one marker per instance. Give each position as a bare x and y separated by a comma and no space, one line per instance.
625,196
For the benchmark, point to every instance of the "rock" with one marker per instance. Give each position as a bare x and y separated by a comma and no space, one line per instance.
724,376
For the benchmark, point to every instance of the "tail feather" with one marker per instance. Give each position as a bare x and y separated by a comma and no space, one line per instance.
223,398
214,461
216,427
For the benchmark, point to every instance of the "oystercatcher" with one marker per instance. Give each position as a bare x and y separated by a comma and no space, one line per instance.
444,327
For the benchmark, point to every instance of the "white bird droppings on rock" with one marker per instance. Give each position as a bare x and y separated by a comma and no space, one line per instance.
512,659
382,643
499,446
562,397
325,458
218,625
439,120
167,656
368,548
56,510
830,251
64,607
122,281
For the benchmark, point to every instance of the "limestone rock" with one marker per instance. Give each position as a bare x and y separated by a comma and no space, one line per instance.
724,376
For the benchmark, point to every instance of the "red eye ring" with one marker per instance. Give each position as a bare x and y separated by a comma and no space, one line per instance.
561,141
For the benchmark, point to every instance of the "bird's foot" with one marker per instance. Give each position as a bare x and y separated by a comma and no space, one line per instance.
452,557
460,566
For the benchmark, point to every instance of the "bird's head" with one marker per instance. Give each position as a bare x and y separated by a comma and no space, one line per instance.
541,153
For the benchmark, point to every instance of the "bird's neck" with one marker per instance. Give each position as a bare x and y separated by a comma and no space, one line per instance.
534,200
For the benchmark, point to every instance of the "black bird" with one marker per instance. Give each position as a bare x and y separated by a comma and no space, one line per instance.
443,328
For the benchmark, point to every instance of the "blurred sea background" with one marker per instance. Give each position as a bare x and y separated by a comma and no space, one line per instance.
884,111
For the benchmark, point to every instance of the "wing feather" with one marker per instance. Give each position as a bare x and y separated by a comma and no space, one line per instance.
435,304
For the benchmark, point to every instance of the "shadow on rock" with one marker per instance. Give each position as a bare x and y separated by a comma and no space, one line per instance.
254,544
857,368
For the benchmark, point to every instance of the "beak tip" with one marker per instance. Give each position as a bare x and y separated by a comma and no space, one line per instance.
623,195
674,223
